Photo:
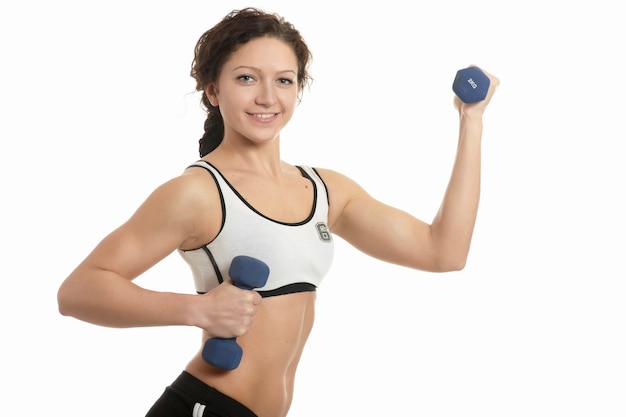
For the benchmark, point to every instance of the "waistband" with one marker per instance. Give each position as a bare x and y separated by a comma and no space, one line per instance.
210,396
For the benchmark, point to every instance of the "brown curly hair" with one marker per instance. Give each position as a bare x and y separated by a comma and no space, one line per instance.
217,44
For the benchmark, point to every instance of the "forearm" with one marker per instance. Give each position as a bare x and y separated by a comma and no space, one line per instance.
107,299
453,225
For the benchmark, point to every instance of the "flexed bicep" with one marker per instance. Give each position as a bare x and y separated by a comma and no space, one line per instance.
377,229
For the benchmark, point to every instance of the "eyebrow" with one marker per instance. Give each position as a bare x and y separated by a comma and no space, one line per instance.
259,70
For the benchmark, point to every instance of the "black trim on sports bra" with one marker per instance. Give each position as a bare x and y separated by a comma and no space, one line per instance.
216,268
285,289
289,289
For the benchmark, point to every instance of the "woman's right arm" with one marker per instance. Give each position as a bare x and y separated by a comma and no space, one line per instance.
100,290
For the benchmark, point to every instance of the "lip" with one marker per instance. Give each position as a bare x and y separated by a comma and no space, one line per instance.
263,117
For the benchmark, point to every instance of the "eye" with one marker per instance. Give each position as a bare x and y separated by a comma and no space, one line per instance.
285,81
245,78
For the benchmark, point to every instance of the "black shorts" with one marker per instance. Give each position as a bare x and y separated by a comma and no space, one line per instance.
190,397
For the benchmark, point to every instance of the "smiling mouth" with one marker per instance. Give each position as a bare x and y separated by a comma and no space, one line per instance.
263,116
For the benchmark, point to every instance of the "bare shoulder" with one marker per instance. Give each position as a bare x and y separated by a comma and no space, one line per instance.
182,212
334,178
189,203
339,184
341,191
191,190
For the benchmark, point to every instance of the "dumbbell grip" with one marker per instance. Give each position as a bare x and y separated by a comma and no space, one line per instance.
471,84
247,273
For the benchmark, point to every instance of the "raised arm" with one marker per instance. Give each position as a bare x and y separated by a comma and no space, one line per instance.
395,236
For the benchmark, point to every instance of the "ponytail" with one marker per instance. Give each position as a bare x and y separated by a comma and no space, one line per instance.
213,131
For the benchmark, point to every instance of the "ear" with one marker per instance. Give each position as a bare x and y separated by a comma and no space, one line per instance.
211,92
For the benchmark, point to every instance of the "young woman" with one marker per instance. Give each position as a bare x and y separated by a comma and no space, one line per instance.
240,198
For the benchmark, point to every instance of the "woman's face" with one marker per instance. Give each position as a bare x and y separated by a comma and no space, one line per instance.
257,90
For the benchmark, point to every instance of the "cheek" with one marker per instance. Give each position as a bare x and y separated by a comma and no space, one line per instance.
290,99
231,110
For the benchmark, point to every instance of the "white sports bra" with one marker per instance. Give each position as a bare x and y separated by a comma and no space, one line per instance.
298,254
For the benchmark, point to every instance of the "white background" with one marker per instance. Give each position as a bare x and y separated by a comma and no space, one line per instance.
97,109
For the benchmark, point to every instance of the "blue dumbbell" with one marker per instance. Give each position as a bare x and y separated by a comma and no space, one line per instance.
471,85
247,273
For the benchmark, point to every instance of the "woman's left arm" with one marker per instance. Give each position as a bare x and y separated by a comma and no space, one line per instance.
393,235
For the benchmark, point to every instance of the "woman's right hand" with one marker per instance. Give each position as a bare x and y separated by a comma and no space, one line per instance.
227,311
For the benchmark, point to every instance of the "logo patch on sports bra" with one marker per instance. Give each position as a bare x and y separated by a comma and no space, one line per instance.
323,232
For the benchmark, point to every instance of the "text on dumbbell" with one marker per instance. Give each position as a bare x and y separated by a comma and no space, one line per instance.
472,83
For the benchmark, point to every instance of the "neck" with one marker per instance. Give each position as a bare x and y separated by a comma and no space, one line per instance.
258,159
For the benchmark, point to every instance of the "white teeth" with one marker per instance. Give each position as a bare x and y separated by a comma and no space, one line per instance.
264,116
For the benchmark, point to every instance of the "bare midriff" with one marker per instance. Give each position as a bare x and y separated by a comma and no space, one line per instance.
264,379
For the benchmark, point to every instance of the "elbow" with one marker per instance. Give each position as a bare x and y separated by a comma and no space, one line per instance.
458,266
451,267
451,264
448,253
64,302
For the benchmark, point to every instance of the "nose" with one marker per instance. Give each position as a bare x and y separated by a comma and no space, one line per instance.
266,96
